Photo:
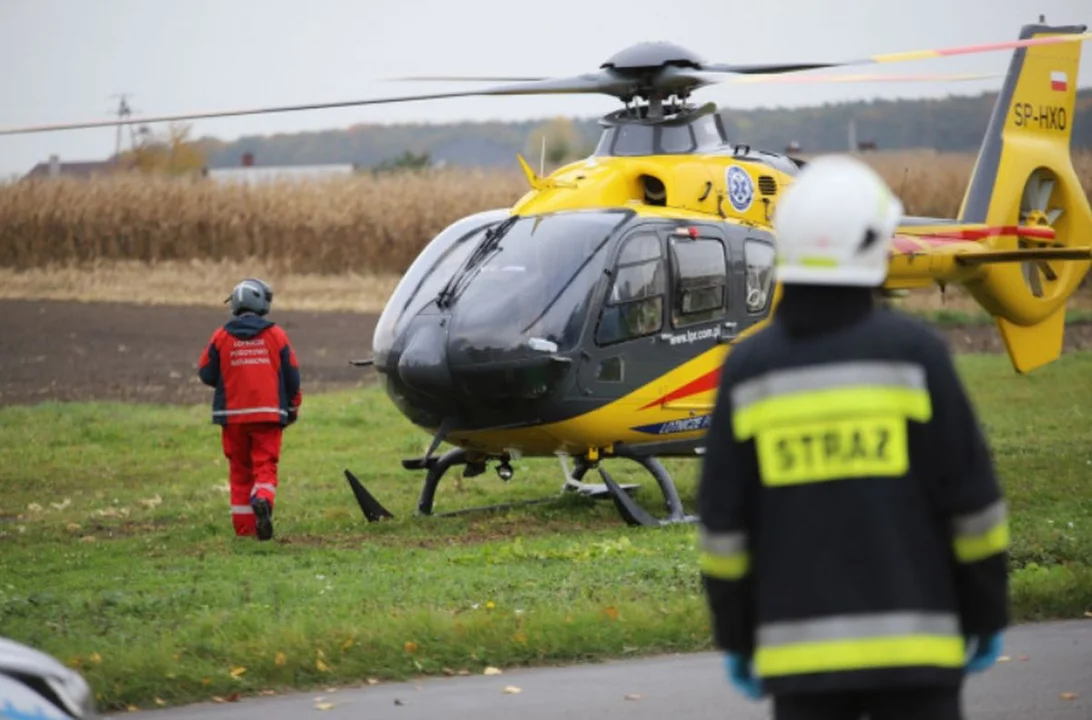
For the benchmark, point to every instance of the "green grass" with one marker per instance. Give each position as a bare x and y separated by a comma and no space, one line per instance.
116,552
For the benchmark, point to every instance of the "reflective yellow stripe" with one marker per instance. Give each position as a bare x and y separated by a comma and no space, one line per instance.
982,533
970,549
811,406
827,376
724,567
831,421
723,554
860,654
852,642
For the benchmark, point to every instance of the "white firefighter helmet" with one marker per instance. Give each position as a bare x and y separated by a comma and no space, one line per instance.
834,224
35,685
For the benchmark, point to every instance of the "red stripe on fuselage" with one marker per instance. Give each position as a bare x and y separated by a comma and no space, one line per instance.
708,381
1044,233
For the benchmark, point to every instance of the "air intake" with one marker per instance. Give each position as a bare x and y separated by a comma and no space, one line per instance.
654,191
767,185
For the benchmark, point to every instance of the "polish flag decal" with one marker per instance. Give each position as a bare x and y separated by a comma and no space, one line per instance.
1058,81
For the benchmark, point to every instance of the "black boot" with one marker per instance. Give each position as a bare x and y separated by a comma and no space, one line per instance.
264,514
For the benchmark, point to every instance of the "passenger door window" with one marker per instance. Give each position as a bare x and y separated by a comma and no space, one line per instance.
700,274
635,304
758,257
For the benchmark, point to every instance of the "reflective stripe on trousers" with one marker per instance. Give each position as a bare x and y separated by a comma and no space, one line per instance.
859,642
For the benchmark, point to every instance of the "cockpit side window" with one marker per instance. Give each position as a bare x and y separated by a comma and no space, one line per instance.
635,304
759,258
700,270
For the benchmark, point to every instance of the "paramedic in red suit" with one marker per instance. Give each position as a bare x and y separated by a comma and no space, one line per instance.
252,366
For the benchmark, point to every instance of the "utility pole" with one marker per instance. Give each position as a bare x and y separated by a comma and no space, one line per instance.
123,111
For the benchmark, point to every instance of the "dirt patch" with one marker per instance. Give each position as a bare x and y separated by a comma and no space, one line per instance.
60,350
63,350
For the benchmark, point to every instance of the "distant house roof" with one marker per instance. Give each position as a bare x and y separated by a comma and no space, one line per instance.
258,174
80,169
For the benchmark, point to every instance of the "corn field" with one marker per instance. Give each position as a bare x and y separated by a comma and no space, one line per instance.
363,224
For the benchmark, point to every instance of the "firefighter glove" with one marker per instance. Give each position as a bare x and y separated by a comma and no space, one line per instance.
742,677
983,652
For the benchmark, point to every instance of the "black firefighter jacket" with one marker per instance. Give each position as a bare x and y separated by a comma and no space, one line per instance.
852,529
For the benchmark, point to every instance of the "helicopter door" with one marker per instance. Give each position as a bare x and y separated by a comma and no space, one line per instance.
667,303
623,353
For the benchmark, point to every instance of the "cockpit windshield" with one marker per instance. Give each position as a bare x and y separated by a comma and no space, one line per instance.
530,281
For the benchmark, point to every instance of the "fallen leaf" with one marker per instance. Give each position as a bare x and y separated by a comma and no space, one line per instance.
217,698
491,671
347,644
490,605
238,672
280,659
1004,658
612,613
95,658
1069,696
205,681
322,667
160,702
410,646
233,697
133,708
267,692
512,690
633,696
323,706
372,681
1022,658
449,672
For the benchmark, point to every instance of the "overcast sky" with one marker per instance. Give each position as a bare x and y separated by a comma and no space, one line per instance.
64,59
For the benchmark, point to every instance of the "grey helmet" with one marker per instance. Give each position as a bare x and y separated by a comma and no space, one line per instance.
35,685
251,295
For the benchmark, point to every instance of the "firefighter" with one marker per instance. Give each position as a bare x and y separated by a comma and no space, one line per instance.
853,533
251,363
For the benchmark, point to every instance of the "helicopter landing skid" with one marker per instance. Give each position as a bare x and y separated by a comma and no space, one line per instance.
627,507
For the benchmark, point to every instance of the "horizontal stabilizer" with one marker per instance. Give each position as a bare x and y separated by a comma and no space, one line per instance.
998,256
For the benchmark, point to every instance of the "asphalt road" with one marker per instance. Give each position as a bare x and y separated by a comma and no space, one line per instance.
1046,663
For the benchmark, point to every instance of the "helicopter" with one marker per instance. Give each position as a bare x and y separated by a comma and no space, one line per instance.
589,321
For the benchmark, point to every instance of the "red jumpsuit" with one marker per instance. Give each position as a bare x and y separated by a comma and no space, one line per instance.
253,368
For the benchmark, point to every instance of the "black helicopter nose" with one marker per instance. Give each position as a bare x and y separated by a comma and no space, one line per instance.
423,362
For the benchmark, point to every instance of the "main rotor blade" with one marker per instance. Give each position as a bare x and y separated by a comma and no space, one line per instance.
759,79
463,78
770,68
589,83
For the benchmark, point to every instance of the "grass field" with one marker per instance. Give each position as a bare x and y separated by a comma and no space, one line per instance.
116,552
